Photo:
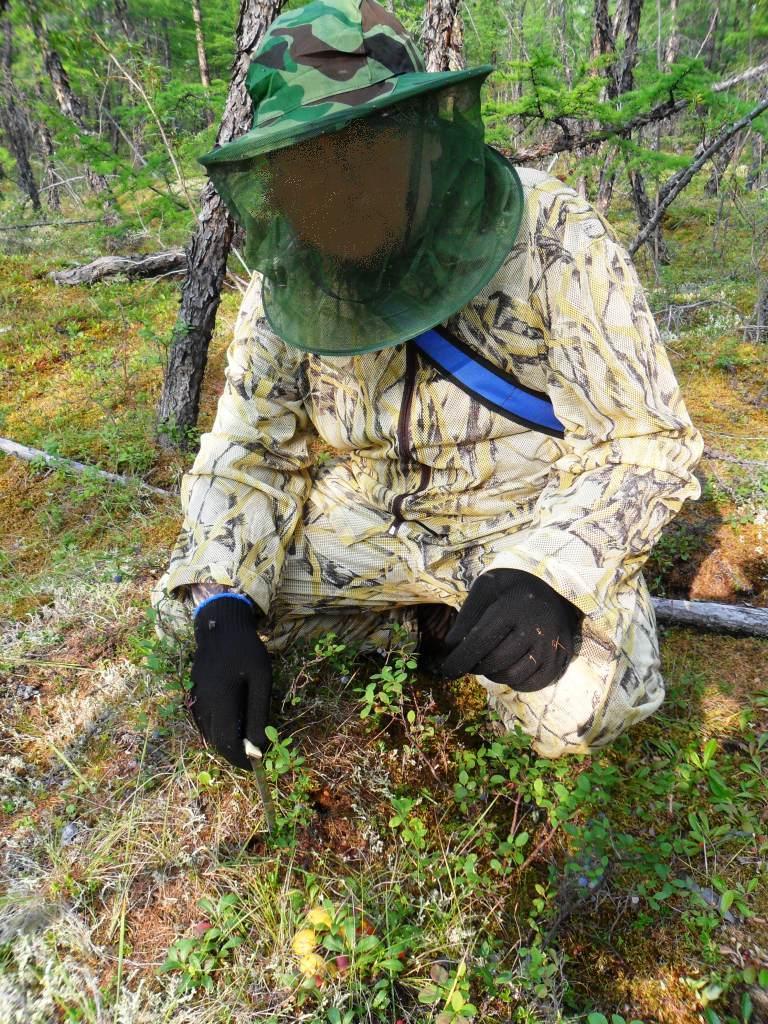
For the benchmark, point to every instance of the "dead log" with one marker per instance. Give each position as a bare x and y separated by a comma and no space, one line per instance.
722,618
21,451
171,261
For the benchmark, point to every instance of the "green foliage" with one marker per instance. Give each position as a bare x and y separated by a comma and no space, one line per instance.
200,958
383,695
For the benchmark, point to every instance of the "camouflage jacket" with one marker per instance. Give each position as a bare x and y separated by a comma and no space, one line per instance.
567,316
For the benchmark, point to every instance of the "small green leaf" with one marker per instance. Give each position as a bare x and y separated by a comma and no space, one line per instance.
596,1018
710,747
746,1008
392,964
726,900
457,1001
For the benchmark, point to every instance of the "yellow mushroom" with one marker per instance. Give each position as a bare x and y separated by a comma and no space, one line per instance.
319,917
312,964
304,941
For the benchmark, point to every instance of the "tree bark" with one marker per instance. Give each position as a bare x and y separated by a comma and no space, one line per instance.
50,178
207,250
442,36
202,59
68,102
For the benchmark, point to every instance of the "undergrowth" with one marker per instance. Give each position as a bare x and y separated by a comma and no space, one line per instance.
424,866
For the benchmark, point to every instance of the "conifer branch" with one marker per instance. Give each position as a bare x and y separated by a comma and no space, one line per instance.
675,185
668,108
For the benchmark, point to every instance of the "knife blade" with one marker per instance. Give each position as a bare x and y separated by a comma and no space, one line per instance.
256,758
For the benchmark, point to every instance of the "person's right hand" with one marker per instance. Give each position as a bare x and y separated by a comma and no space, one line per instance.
232,677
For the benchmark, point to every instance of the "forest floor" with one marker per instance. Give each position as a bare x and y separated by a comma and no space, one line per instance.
423,868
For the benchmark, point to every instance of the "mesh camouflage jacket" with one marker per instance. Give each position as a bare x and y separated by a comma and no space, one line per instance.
566,315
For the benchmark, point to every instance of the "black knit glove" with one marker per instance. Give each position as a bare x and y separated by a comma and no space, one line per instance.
232,677
513,628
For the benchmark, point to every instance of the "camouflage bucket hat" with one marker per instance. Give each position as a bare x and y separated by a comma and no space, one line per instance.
369,200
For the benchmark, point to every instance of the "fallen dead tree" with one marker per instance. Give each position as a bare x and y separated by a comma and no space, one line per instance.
721,618
170,261
21,451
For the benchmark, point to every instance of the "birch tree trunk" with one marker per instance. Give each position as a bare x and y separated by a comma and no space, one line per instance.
208,249
442,36
672,51
202,60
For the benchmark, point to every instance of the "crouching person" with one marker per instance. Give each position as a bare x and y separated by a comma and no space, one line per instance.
475,346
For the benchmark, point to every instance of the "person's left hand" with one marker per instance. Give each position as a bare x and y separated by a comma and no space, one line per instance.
514,629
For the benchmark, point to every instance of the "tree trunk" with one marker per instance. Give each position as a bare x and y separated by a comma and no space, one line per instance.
621,75
681,179
202,60
15,120
208,249
69,104
758,329
720,164
644,211
442,36
672,51
50,178
123,21
18,130
166,45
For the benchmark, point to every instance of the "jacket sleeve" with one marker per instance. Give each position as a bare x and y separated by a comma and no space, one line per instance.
244,494
626,463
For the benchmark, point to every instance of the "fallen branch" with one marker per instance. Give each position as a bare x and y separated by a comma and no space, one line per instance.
21,451
171,261
743,76
722,618
47,224
710,453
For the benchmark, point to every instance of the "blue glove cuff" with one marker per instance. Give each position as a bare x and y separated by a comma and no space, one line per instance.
216,597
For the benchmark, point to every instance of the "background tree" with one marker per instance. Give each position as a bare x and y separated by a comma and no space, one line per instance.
208,250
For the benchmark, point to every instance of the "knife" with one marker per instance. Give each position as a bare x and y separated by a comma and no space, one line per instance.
255,756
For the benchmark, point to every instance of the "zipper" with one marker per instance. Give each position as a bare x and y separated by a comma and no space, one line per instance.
404,437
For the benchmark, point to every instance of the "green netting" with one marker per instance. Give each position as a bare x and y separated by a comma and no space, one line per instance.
372,233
